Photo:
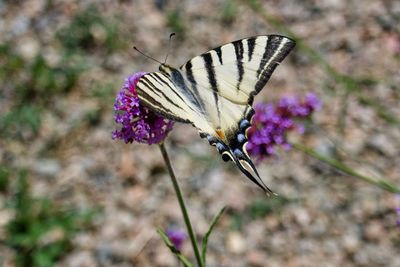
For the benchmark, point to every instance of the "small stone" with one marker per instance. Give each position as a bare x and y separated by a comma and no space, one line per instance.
20,25
99,33
6,215
28,48
47,167
374,231
271,222
302,216
256,258
325,148
318,228
84,241
351,243
135,195
81,258
52,236
373,255
236,243
164,257
383,144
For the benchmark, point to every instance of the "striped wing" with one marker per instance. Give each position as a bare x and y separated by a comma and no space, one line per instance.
175,100
239,70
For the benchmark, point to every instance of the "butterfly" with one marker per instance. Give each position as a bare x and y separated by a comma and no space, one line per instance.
214,92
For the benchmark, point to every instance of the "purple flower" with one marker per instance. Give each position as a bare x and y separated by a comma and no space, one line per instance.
139,123
177,237
272,122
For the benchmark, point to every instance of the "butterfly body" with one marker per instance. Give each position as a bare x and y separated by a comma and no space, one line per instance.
214,92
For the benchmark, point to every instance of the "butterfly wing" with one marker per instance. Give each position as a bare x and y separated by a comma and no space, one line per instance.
232,75
239,70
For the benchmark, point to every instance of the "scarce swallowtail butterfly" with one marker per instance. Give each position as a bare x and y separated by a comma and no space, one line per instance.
214,92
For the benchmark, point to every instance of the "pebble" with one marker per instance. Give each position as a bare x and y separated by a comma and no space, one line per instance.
80,258
302,216
373,255
351,242
47,167
20,25
28,48
383,144
374,230
236,243
256,258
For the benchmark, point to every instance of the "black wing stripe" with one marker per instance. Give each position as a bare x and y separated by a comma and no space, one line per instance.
268,52
155,89
180,84
193,83
208,61
145,97
276,50
250,44
219,53
161,81
150,86
238,45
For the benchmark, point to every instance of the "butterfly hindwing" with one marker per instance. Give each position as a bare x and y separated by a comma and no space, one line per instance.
214,92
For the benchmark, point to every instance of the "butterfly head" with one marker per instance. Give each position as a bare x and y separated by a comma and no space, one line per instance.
164,68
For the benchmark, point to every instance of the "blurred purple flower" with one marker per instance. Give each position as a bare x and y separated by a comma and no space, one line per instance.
177,237
139,123
271,122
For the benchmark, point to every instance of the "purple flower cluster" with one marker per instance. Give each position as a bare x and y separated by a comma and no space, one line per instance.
139,123
272,122
177,237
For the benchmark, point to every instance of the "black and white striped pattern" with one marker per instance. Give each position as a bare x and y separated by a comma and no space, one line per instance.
242,67
214,92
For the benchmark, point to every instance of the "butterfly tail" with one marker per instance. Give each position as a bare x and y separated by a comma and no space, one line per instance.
239,153
236,152
246,166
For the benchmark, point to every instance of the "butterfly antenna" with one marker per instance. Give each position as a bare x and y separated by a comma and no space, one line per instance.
149,57
169,46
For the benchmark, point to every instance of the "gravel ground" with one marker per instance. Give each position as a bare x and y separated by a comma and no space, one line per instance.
327,219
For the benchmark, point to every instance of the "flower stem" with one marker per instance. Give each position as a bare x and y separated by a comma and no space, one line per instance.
181,204
382,183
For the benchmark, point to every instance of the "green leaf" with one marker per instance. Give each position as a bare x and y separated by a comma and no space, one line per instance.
173,249
210,229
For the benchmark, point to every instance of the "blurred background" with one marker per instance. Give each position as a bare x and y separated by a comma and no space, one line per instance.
72,196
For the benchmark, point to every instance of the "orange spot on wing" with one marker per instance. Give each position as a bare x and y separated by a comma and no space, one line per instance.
220,133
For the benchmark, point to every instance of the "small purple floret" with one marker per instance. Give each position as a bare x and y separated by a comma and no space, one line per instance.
177,237
139,123
272,122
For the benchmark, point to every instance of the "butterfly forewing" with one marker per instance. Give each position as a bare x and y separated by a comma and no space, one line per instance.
242,68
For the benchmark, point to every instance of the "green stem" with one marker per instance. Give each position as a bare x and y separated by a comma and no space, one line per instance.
182,205
382,183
